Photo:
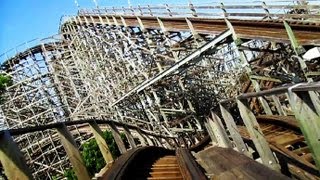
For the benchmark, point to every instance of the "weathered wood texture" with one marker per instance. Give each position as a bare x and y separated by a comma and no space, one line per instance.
73,153
11,158
98,135
225,164
117,138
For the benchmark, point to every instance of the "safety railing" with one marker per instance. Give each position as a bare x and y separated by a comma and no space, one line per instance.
243,10
297,106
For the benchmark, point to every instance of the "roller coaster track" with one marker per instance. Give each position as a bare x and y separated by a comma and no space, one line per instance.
285,138
307,33
156,74
155,163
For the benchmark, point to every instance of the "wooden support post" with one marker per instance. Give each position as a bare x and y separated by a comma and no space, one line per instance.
98,135
219,132
176,143
142,139
232,127
257,137
117,138
183,141
73,153
247,67
309,121
298,49
278,105
159,143
211,134
12,159
129,137
150,143
168,144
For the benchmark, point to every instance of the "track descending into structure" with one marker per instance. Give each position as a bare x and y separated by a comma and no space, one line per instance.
241,75
285,137
155,163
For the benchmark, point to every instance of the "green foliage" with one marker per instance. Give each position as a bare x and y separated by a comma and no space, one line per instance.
92,156
70,174
5,81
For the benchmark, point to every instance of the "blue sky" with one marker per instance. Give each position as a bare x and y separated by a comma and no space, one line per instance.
24,20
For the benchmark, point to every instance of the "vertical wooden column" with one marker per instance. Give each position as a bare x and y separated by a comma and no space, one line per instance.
257,137
159,143
150,142
167,144
98,135
309,121
278,105
142,139
247,67
234,133
117,138
219,132
129,137
73,153
211,134
175,141
12,159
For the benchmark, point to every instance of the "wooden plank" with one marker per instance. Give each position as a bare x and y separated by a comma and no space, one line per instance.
98,135
12,159
117,138
309,121
142,139
257,136
218,131
129,137
73,153
232,127
211,134
225,163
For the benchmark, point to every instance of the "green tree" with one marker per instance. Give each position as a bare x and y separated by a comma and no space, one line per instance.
70,174
92,156
5,81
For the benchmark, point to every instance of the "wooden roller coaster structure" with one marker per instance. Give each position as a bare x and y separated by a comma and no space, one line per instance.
240,76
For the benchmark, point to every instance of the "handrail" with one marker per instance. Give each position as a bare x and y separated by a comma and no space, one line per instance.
188,166
315,86
20,131
257,9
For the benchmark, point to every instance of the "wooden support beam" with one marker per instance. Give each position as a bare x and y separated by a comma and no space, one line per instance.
257,136
211,134
234,133
309,121
245,64
298,49
158,142
168,144
129,137
12,159
117,138
150,142
142,139
278,105
98,135
219,132
73,153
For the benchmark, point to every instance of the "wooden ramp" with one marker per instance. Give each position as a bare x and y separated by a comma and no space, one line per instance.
223,163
